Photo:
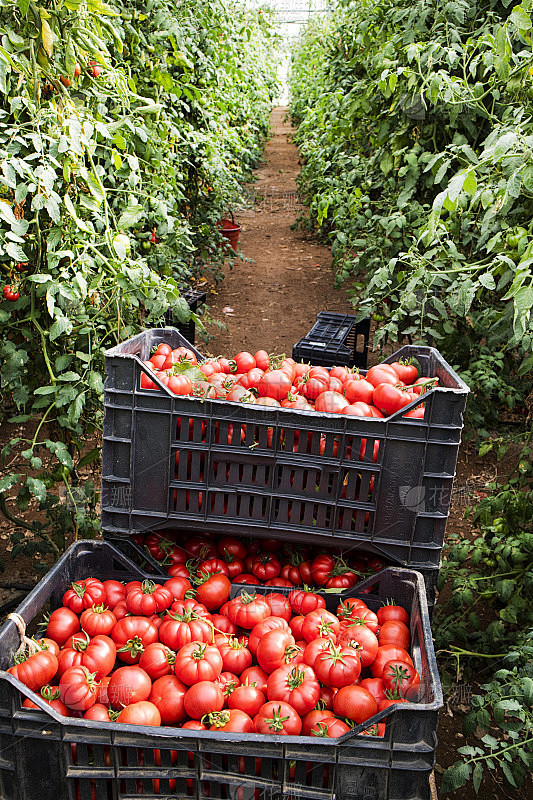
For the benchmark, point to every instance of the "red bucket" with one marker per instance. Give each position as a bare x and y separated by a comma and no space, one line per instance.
230,230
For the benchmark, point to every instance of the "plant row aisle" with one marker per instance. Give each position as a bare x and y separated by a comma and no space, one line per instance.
125,130
415,130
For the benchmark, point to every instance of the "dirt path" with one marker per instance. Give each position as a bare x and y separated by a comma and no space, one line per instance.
286,278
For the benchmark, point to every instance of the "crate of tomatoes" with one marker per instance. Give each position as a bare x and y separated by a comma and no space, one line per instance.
258,561
132,685
264,444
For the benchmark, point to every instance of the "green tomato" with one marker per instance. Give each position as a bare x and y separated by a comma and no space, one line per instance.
145,244
514,236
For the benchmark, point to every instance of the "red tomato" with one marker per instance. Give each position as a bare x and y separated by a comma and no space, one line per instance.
148,598
331,402
246,610
390,399
78,688
198,661
320,623
389,612
296,685
99,713
244,362
214,591
375,687
401,678
313,387
303,602
381,373
246,579
128,685
275,648
349,605
131,635
386,653
266,567
98,620
388,702
248,698
51,696
229,545
359,392
312,717
355,703
221,624
259,630
262,359
141,713
37,670
361,639
168,694
395,632
178,587
276,384
337,667
231,721
157,660
115,591
279,605
406,372
366,616
331,727
84,594
179,629
203,698
48,644
235,655
97,654
255,676
228,682
291,572
279,719
314,647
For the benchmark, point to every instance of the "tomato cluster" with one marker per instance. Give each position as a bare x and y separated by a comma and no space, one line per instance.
165,654
257,562
281,382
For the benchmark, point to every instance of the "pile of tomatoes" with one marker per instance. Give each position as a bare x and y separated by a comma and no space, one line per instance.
257,562
278,381
146,653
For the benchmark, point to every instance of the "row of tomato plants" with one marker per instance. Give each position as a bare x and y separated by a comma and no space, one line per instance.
121,149
282,664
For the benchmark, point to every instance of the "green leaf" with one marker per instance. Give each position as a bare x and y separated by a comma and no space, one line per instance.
507,771
477,776
60,326
89,458
44,390
46,34
37,489
72,211
23,6
470,183
520,18
486,279
8,481
455,776
130,217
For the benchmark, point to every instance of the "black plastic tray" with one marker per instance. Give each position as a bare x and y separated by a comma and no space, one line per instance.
335,340
194,298
116,762
199,464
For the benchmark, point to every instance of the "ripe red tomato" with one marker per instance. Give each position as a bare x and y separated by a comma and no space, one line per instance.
229,545
181,628
355,703
231,720
98,713
243,362
275,648
387,653
37,670
246,610
141,713
168,694
280,605
203,698
395,632
303,602
148,598
255,675
198,661
279,719
248,698
259,630
265,567
405,371
276,384
315,647
78,688
98,620
389,612
262,359
235,655
131,635
375,687
359,392
97,654
296,685
180,384
214,591
128,685
401,678
178,587
115,591
84,594
331,727
221,624
337,666
320,623
390,399
157,660
361,639
331,402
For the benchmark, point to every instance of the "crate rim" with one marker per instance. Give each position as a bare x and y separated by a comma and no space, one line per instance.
461,389
166,732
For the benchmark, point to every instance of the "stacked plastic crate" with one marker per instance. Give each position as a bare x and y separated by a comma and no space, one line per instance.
190,465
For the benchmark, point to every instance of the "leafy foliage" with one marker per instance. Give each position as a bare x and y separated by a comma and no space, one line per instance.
416,131
125,131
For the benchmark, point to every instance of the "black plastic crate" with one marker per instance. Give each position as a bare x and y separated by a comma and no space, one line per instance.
117,762
188,329
199,464
335,340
